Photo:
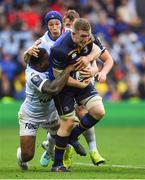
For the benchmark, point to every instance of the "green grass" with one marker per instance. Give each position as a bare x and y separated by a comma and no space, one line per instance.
123,148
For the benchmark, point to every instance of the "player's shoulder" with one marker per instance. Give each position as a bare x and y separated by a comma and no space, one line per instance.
98,42
34,77
63,40
62,44
45,40
30,73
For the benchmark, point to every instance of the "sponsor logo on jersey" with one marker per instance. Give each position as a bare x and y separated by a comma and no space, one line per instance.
66,109
36,80
74,55
30,126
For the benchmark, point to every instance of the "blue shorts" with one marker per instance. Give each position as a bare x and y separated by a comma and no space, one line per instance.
67,98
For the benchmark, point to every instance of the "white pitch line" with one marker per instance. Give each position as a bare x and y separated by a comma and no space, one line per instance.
114,166
103,165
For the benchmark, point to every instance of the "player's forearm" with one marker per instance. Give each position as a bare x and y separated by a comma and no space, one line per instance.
74,83
108,62
54,87
94,54
107,67
26,57
60,82
57,84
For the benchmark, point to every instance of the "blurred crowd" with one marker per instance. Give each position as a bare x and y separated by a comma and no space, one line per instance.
120,25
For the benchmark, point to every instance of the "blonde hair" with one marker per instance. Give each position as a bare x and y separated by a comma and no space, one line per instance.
81,24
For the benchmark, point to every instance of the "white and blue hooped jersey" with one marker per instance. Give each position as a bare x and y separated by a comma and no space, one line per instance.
36,103
46,42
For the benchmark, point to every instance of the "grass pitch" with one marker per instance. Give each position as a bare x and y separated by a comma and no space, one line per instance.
123,148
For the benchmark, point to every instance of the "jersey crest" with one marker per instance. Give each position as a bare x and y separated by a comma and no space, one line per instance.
36,80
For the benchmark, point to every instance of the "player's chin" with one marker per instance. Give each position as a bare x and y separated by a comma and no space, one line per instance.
56,34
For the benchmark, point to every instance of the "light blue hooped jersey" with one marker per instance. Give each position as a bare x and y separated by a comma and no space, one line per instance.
46,42
37,103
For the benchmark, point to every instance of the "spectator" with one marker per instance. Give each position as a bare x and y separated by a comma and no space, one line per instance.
113,21
127,13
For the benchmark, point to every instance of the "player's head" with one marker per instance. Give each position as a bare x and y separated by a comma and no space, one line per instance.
41,62
69,17
81,31
54,22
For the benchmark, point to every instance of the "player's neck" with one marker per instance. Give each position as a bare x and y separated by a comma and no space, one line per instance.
39,69
52,37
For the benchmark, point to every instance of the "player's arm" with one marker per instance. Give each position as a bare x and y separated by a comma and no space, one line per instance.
104,56
59,59
94,54
70,81
55,86
90,71
107,66
84,61
75,83
107,60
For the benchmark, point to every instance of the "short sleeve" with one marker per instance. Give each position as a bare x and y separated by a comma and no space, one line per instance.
37,81
98,43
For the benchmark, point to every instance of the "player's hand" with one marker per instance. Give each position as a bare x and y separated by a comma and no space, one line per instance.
33,50
85,82
101,77
81,63
89,72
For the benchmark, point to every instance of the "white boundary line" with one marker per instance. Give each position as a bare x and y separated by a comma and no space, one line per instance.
101,165
115,166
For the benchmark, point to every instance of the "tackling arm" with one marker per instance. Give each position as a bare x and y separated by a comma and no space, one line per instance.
57,85
84,61
70,81
94,54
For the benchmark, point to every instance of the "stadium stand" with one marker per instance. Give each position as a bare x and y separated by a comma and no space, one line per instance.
21,24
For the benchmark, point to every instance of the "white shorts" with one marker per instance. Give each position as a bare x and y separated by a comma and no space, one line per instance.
29,125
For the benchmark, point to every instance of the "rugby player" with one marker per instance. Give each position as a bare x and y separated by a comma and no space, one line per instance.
69,48
38,109
68,19
54,22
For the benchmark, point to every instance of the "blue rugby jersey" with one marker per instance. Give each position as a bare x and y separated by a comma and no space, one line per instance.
66,52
